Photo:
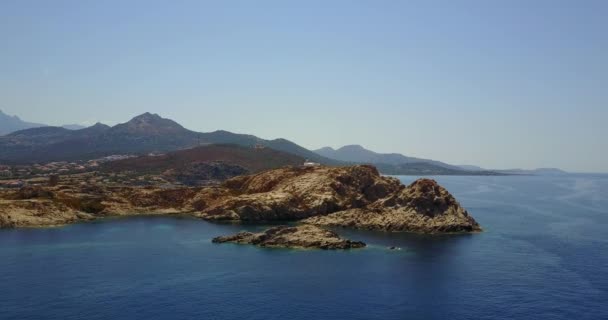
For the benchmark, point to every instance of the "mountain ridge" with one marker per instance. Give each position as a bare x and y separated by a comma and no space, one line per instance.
151,133
142,134
359,154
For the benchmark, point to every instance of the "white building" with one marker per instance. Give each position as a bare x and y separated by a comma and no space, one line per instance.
308,163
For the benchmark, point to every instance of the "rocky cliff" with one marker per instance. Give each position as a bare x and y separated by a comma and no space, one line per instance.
423,206
356,197
294,193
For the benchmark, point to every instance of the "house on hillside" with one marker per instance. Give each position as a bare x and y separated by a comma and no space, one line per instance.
308,163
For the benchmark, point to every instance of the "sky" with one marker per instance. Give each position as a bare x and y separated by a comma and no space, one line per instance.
499,84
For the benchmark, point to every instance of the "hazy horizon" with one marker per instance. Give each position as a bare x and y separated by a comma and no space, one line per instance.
499,85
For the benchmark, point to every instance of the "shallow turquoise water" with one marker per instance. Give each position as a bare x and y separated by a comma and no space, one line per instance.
543,256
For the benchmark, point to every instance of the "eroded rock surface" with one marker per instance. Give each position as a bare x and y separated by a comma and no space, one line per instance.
43,212
294,193
424,206
302,236
50,206
356,197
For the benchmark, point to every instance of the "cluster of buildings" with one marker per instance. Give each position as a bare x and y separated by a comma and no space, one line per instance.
309,163
5,171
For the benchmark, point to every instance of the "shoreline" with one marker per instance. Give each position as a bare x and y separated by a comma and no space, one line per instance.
354,197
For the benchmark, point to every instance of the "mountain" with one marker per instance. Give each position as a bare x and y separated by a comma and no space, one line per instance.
149,133
358,154
10,124
143,134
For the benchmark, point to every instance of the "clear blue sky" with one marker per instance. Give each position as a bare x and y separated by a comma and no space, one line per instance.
499,84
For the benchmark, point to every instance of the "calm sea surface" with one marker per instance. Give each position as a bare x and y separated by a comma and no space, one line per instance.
543,255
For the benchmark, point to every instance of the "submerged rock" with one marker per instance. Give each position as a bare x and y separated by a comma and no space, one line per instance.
302,236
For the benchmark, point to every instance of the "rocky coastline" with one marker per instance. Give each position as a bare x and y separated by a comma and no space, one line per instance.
353,197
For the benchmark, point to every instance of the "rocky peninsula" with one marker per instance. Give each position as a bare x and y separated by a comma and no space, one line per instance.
353,197
423,207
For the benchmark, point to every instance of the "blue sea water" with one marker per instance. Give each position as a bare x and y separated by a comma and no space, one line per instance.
543,255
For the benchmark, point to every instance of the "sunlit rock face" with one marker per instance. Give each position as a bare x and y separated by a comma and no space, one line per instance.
356,196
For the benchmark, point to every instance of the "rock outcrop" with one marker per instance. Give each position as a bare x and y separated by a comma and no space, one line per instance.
295,193
423,207
355,197
302,236
51,206
38,212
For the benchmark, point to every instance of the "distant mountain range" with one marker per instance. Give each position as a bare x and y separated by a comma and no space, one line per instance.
10,124
148,133
356,153
143,134
395,163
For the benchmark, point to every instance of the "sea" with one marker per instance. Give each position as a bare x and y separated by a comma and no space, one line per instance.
543,255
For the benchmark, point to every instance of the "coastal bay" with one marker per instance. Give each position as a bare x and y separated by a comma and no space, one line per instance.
533,261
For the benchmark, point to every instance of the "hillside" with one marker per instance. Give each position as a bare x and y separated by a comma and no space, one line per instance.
205,163
226,137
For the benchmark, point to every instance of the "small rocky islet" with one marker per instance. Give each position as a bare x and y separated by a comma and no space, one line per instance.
302,236
352,197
